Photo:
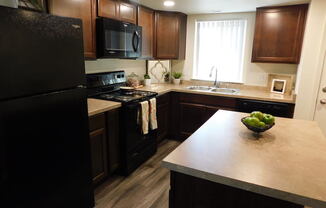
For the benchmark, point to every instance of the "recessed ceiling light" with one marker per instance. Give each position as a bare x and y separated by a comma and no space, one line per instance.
169,3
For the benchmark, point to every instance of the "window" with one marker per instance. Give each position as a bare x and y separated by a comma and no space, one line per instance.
220,44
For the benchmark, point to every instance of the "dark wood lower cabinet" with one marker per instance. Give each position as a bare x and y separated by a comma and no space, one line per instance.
104,140
163,117
98,141
190,111
191,116
191,192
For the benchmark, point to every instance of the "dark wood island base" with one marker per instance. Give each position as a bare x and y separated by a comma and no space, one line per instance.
191,192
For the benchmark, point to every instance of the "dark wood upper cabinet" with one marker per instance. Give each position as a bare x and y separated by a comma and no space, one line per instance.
279,34
83,9
108,8
128,12
170,35
118,10
146,19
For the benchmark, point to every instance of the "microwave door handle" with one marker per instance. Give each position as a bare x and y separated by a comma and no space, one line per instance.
138,40
133,42
135,46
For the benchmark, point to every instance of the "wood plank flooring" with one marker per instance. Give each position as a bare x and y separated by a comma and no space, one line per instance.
147,187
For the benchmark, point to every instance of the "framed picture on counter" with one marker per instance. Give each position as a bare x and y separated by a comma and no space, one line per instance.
278,86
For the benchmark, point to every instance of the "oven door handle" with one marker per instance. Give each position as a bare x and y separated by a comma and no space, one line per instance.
137,38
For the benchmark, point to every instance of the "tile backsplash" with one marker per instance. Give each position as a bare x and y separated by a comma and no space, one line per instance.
107,65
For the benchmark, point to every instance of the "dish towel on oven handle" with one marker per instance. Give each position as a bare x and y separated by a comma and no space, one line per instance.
152,114
144,116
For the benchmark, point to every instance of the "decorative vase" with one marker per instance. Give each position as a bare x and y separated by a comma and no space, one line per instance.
176,81
147,82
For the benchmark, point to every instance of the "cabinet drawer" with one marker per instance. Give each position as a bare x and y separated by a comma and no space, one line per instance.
97,122
208,100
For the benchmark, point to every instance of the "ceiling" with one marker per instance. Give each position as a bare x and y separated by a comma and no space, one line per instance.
216,6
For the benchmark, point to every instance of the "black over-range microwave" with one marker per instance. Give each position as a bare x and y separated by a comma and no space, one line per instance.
116,39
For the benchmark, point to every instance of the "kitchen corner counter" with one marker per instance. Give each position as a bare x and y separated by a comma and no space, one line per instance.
255,94
96,106
287,162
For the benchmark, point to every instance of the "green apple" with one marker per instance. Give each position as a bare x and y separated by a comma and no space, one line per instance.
260,124
251,121
258,115
268,119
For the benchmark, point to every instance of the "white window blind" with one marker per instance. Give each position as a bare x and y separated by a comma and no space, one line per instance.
220,44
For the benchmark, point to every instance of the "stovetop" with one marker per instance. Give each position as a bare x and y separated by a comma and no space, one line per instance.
119,96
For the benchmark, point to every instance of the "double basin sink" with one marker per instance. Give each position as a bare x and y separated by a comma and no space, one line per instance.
213,89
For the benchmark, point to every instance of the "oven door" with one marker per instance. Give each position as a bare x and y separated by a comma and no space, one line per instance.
120,40
131,129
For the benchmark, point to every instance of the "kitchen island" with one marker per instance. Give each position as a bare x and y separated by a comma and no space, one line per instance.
223,164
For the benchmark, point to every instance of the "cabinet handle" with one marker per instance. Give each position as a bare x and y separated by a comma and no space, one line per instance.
324,89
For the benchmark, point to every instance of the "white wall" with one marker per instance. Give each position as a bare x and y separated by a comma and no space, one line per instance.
254,73
9,3
310,67
106,65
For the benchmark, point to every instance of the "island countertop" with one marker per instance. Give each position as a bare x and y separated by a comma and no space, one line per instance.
287,162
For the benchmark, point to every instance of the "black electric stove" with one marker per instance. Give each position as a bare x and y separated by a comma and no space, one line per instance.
120,96
135,147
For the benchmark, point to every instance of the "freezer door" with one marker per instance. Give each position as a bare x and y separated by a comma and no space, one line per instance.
45,153
39,53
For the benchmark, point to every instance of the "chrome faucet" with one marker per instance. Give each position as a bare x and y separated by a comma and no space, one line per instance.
216,83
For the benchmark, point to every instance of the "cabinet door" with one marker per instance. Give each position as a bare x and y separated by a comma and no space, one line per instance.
128,12
279,34
146,21
108,8
163,116
98,155
167,38
98,141
192,116
82,9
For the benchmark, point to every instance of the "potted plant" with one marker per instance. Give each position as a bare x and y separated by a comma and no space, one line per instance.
147,80
176,77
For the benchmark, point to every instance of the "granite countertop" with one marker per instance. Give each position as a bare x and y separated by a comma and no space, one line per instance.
256,94
96,106
287,162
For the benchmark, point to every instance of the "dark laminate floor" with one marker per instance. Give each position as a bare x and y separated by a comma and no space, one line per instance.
147,187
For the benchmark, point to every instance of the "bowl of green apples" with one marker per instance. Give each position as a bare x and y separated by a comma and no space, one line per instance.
259,122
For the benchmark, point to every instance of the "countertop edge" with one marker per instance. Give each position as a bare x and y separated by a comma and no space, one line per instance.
244,185
103,110
227,95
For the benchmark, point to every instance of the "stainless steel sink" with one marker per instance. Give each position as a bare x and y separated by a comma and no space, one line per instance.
213,89
200,88
225,90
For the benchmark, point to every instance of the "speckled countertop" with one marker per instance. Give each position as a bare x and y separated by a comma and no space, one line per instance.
255,94
286,162
96,106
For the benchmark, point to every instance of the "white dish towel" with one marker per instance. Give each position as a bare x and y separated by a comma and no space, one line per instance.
152,114
144,114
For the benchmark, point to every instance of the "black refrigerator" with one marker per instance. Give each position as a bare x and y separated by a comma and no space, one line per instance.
44,142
